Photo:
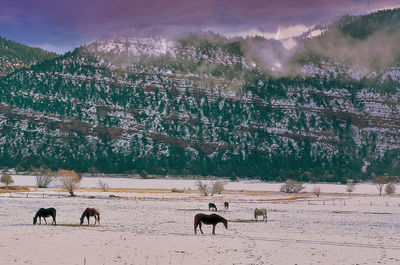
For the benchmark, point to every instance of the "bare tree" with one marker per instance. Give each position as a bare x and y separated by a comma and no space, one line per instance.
217,187
44,176
380,181
317,191
350,186
103,185
390,189
69,180
291,186
6,178
203,188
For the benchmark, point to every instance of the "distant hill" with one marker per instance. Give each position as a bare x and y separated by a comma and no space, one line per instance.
15,56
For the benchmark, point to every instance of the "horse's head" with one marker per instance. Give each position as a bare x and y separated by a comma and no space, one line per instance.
34,220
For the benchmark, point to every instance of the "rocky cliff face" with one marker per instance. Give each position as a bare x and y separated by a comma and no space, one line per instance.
200,105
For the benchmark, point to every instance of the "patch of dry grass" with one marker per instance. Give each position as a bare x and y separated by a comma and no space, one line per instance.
77,225
243,221
10,189
292,198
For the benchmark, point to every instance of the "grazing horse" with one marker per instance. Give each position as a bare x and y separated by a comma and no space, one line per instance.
212,219
262,212
42,212
226,205
212,206
91,212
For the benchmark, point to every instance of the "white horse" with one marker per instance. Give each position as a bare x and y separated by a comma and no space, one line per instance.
262,212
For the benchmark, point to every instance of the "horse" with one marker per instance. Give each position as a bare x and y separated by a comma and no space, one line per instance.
226,205
212,206
262,212
42,212
91,212
212,219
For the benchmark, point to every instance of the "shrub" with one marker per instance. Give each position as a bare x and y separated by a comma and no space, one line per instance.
380,181
390,189
6,178
203,188
177,190
217,187
291,186
103,185
69,180
317,191
350,186
44,176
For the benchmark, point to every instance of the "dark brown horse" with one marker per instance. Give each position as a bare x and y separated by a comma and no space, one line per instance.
212,206
226,205
91,212
42,212
212,219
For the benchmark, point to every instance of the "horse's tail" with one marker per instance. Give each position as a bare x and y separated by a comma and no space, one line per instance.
195,224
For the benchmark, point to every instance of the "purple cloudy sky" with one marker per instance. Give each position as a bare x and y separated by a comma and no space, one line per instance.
60,25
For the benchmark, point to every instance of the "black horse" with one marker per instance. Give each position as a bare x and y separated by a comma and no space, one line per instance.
226,205
45,213
212,219
212,206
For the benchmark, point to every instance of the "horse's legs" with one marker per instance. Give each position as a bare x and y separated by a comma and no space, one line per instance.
54,220
200,228
195,227
255,217
88,219
45,220
213,232
40,220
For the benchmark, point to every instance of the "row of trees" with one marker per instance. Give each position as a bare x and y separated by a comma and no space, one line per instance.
68,179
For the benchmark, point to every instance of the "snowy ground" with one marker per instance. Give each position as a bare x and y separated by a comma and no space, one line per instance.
332,229
250,185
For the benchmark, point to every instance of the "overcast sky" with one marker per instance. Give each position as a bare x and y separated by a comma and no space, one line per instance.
62,25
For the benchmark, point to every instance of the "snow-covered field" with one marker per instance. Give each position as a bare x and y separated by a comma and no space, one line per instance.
332,229
250,185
